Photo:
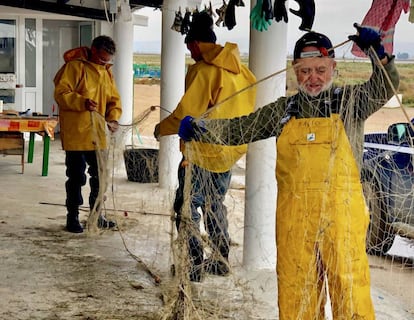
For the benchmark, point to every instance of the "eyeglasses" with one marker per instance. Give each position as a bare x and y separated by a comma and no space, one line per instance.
102,57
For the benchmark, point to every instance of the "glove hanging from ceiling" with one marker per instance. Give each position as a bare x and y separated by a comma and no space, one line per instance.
267,9
209,10
279,10
230,15
185,25
178,20
306,12
221,13
257,17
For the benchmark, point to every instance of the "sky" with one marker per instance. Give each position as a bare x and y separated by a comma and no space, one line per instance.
334,18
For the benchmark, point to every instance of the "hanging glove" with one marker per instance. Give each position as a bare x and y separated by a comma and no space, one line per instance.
230,15
209,10
267,9
177,21
367,37
257,19
306,12
221,13
279,10
185,24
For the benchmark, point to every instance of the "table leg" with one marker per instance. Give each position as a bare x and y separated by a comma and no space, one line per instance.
31,147
46,145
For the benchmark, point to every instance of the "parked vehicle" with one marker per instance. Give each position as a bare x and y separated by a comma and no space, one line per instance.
388,183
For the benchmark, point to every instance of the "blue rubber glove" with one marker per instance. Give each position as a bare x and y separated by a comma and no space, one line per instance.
186,130
366,38
190,129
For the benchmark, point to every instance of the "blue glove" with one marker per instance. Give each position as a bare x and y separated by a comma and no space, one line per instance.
186,130
366,38
190,129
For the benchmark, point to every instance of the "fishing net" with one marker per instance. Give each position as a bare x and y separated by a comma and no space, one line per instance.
225,290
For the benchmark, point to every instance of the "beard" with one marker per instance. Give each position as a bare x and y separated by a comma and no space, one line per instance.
302,88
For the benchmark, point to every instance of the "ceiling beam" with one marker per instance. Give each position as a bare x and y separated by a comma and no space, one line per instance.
52,7
59,7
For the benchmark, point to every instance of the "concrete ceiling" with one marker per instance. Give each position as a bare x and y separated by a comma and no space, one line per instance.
92,9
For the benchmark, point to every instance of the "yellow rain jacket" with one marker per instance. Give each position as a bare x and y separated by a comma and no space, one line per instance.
77,80
219,75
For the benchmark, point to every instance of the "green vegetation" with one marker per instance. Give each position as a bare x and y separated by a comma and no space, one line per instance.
349,72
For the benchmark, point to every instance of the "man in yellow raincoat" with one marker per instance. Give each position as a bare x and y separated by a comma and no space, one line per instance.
217,74
87,97
322,218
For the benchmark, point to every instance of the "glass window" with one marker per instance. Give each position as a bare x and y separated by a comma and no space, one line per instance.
7,46
30,52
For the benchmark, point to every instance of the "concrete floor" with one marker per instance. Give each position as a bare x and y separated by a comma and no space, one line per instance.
30,201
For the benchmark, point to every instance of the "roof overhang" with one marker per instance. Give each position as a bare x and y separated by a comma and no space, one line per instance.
66,8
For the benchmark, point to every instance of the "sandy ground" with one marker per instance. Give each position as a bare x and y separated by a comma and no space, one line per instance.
47,273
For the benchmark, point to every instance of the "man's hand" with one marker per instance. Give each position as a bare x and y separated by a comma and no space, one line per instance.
366,38
186,130
113,126
157,134
91,105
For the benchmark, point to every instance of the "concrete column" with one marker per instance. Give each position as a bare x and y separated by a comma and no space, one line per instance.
172,89
268,50
123,64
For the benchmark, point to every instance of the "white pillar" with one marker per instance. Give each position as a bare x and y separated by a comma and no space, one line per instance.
123,64
267,55
172,89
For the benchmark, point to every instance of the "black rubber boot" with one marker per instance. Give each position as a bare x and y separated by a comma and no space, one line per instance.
72,223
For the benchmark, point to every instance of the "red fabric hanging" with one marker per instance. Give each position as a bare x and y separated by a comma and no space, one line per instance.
383,16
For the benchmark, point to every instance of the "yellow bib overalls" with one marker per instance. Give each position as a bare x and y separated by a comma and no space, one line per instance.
321,223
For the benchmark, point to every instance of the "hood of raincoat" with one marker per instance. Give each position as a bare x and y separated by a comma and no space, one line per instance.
227,57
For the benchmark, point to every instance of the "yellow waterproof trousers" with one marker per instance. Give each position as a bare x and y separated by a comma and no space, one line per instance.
321,224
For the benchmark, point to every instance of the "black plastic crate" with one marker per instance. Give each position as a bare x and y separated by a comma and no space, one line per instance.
141,164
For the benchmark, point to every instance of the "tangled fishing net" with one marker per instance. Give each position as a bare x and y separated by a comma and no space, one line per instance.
235,295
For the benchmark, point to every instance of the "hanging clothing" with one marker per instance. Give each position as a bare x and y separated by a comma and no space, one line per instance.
383,16
321,223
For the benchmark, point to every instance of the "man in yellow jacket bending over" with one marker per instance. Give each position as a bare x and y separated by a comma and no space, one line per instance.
87,96
217,74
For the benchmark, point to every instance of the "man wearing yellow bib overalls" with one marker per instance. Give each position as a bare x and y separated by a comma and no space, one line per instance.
322,218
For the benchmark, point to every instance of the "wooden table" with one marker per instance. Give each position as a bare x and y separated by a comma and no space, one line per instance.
12,141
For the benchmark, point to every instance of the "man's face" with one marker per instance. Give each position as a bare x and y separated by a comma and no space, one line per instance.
315,74
194,50
100,56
